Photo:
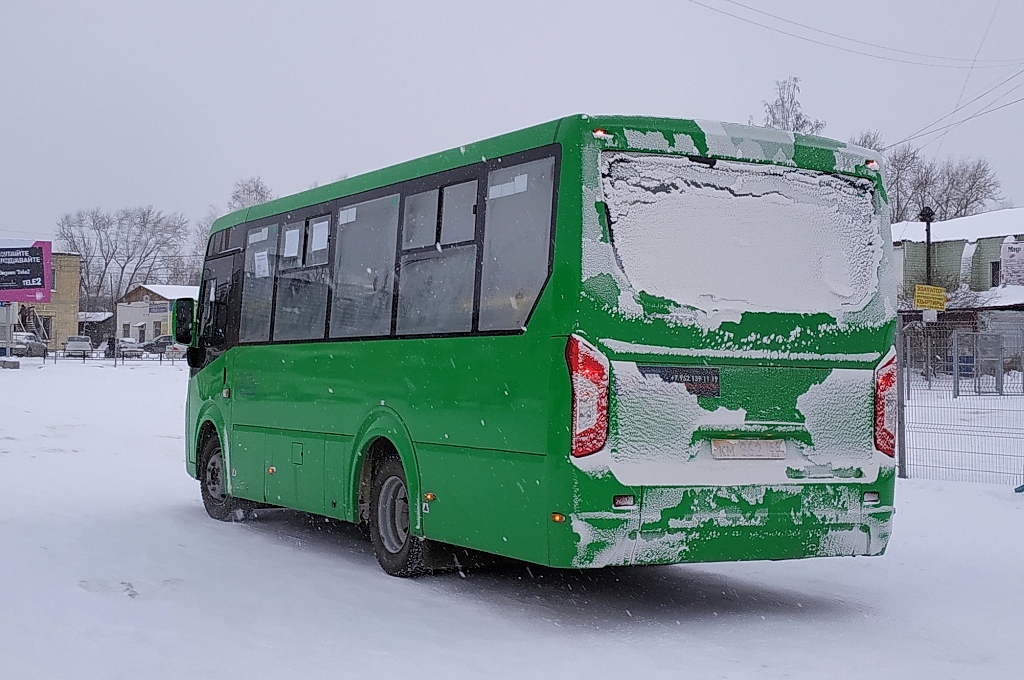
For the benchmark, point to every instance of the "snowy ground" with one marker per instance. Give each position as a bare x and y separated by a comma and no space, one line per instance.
110,568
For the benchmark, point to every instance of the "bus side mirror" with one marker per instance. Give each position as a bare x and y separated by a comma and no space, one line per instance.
184,313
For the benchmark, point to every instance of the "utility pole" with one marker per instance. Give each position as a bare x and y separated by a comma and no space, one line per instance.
927,215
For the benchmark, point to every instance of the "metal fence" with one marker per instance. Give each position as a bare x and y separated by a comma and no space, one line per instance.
962,399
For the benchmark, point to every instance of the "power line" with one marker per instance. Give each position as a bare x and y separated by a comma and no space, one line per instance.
839,47
914,134
968,77
961,122
999,62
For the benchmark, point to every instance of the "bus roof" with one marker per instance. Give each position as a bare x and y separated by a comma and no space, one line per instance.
709,139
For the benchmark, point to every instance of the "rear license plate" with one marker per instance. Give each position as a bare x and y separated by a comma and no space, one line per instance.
748,449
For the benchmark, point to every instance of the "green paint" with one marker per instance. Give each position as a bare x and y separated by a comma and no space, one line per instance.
483,422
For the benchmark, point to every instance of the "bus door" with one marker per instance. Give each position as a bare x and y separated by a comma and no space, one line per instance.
220,303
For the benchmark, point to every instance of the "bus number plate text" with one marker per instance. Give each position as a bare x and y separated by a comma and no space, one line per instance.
748,449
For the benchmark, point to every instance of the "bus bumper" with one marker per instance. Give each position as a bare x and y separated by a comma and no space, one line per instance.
672,525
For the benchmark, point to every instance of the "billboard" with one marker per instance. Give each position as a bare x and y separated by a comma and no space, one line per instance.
26,273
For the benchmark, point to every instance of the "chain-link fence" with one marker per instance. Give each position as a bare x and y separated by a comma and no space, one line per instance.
962,401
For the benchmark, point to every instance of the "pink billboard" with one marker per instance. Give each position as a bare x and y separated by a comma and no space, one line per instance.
26,273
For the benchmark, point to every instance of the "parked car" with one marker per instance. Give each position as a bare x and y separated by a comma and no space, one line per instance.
78,345
158,344
129,348
27,345
175,350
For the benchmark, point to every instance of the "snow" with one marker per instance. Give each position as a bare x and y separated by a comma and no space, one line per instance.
1004,296
173,292
738,237
1009,221
112,569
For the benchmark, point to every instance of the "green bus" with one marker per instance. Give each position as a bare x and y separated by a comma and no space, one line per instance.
595,341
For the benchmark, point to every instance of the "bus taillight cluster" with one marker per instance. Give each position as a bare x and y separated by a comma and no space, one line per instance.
590,372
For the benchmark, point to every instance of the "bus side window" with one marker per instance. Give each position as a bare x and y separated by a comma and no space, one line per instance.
437,277
258,283
364,268
517,243
300,312
219,308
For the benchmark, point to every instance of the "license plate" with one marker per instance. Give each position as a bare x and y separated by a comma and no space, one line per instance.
748,449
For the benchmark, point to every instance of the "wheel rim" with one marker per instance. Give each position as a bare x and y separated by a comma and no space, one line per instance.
214,478
393,514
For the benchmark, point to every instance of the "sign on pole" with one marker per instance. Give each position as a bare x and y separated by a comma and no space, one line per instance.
930,297
25,271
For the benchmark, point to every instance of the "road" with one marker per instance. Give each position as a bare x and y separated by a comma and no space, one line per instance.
111,569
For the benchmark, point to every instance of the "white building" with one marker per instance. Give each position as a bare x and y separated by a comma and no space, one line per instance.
144,312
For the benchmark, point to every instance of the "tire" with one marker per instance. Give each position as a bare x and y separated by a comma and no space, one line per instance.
398,551
219,505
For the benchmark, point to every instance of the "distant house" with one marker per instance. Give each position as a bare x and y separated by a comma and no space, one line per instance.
985,252
144,312
97,325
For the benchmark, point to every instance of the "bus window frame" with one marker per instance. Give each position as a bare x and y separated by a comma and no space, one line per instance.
437,181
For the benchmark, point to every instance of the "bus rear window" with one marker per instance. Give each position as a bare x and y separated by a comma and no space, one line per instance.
728,236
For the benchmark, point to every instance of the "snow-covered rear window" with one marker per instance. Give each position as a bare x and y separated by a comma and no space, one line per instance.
733,237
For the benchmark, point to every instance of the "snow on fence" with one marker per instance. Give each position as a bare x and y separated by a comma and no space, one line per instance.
962,401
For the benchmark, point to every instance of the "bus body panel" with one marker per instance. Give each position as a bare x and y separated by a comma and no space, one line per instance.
483,422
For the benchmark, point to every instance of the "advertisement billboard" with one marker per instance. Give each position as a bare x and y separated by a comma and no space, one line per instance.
26,273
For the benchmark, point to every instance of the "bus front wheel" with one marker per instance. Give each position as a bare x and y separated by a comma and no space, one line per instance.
398,551
213,483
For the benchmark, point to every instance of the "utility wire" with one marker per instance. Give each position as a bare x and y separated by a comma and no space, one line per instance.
999,62
959,122
915,134
839,47
971,71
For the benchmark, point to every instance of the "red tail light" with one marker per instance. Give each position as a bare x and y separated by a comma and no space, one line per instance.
885,408
589,371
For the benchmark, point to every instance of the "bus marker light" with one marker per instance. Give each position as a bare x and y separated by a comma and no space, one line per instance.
430,497
626,501
870,497
271,470
601,134
872,165
557,517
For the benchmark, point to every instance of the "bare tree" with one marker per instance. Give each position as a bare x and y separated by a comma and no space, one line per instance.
869,139
248,192
123,249
786,113
952,188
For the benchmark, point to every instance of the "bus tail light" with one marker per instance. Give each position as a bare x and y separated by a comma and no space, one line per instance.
590,374
885,408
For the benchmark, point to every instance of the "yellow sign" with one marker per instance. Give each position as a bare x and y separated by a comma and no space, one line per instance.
930,297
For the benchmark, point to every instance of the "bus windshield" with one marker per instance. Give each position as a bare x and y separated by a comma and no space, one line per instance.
723,236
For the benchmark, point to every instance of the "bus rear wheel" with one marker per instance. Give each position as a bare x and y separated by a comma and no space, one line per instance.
213,484
398,551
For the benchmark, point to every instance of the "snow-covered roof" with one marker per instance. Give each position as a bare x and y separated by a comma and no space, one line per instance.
1007,222
173,292
1004,296
94,317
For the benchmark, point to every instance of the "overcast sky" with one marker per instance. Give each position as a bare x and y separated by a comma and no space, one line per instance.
113,104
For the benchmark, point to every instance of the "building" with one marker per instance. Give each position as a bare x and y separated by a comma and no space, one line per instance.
985,252
979,260
97,325
144,312
57,320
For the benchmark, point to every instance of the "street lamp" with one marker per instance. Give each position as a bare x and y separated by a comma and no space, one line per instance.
927,215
